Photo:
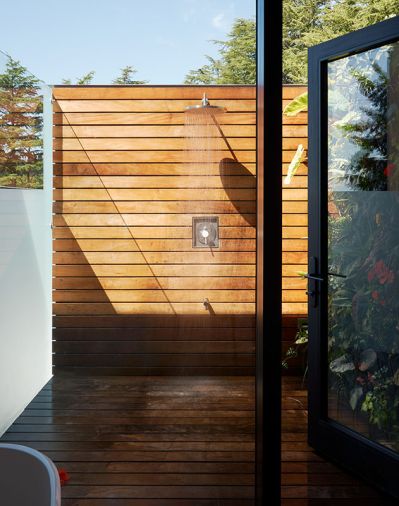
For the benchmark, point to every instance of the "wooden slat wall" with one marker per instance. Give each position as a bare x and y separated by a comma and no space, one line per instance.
295,217
128,286
295,232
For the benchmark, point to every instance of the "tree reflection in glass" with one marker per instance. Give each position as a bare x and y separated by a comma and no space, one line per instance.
363,237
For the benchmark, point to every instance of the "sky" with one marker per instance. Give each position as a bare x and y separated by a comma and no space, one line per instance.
162,39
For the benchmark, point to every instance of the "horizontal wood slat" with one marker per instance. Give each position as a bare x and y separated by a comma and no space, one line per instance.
156,92
178,322
144,118
158,182
170,258
164,207
155,169
146,105
136,156
148,283
151,144
159,131
157,270
153,220
152,245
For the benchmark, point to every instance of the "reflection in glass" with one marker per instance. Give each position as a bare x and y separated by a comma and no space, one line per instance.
21,126
363,236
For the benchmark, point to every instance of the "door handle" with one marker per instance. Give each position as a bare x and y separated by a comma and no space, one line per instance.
312,276
313,281
337,275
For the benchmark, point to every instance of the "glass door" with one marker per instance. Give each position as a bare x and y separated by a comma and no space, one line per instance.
354,252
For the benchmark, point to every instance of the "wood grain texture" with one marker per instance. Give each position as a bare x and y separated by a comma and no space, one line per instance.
126,188
186,441
173,441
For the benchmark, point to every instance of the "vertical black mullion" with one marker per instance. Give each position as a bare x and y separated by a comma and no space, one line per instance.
269,251
322,246
314,216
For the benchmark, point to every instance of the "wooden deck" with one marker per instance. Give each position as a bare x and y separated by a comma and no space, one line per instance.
146,441
181,441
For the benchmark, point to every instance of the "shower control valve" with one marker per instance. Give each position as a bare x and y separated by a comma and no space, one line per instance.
206,232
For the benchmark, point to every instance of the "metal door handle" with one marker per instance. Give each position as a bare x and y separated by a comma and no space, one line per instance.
312,276
337,275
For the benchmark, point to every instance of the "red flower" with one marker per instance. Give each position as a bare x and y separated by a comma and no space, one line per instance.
381,272
389,169
64,476
375,294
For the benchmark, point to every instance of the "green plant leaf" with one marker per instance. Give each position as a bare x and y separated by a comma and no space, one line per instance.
355,395
299,104
342,364
295,163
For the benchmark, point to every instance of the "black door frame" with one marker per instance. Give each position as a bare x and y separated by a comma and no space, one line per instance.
269,256
374,463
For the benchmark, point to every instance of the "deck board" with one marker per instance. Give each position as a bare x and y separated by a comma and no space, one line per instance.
146,441
181,441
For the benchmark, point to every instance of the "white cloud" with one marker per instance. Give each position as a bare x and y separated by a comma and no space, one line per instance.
219,21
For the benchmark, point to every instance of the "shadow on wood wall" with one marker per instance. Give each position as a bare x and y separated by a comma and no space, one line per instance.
129,288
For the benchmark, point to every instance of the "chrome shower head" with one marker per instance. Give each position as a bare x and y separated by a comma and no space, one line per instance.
205,104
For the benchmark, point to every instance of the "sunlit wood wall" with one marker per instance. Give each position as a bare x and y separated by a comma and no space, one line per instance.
295,230
128,285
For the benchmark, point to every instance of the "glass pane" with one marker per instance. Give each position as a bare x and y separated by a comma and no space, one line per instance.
363,245
21,126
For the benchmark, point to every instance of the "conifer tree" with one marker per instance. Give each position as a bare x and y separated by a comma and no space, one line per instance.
237,58
126,76
21,122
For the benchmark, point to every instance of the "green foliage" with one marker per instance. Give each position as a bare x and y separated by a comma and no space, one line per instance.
21,121
363,307
207,74
81,81
295,163
126,76
237,58
300,17
87,78
299,104
382,401
300,345
309,22
366,169
363,325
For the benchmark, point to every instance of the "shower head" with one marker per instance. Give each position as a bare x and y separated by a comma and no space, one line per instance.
205,104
